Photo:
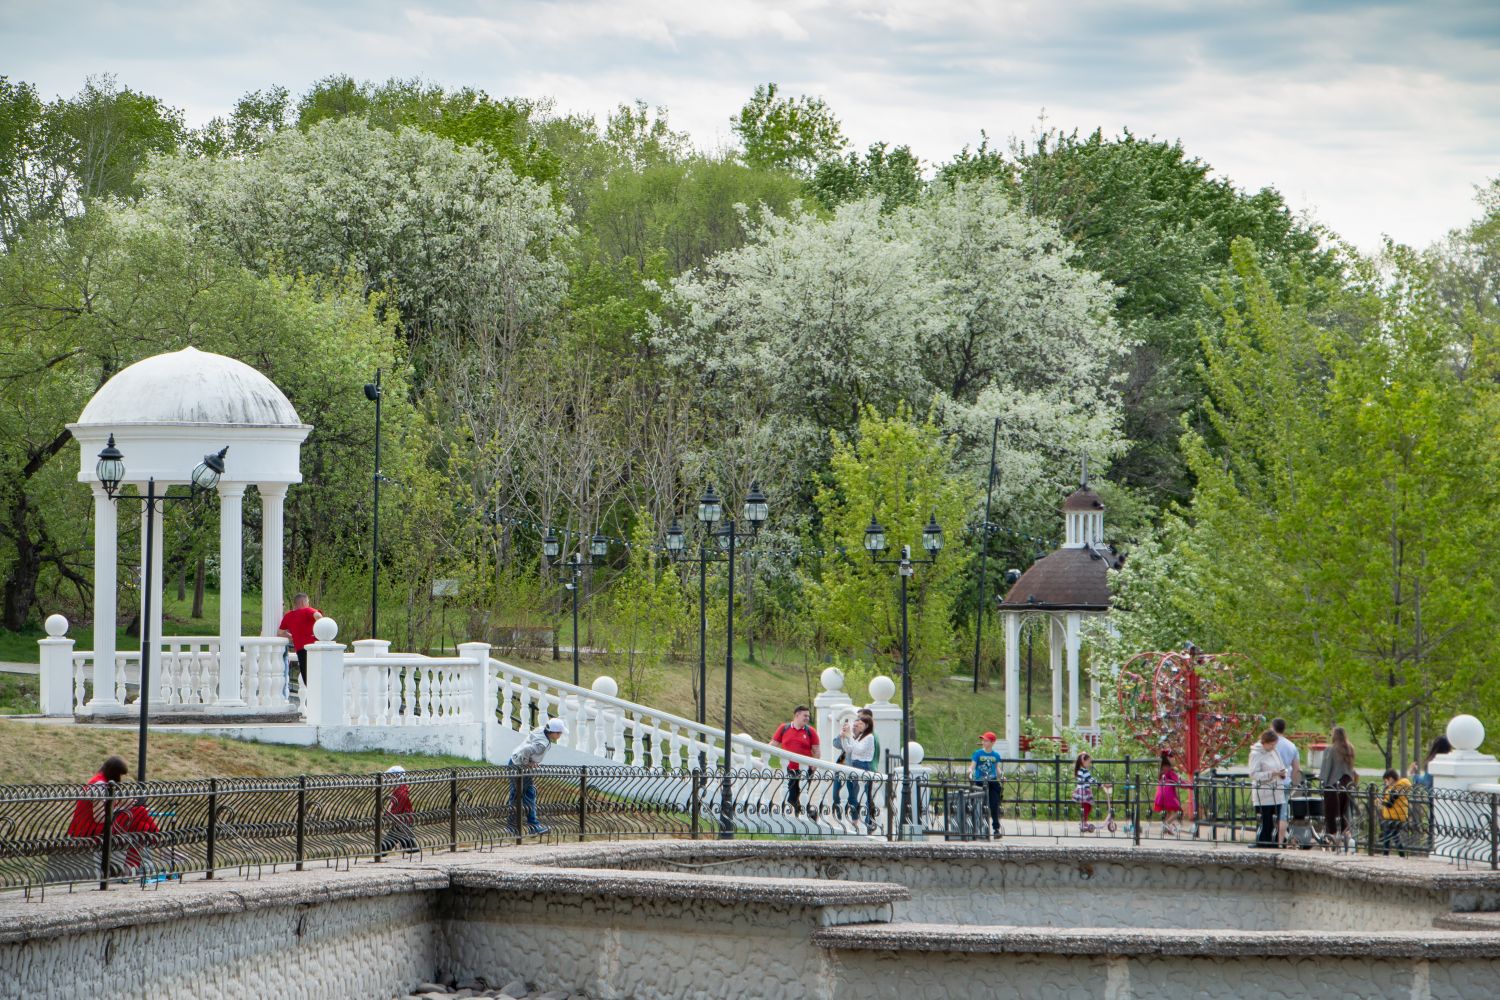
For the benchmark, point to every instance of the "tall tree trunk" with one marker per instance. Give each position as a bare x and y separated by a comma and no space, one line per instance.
199,576
182,582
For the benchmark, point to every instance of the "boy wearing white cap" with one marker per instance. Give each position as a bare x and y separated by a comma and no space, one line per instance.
527,757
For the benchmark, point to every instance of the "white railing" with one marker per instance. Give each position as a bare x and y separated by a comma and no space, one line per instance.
188,669
625,732
408,689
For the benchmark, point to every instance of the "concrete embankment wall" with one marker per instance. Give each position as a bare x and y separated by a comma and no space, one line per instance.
824,921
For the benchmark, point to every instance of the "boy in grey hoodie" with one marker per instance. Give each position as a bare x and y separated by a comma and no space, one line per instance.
528,756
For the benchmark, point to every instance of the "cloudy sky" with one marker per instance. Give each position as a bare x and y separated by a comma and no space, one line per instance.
1375,118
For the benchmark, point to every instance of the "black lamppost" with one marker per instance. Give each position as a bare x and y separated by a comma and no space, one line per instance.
984,550
373,394
571,570
727,535
110,471
932,542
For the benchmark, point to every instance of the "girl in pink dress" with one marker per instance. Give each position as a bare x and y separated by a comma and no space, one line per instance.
1167,802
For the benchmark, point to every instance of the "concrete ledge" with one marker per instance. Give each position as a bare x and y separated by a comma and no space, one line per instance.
1416,873
63,914
1108,942
677,886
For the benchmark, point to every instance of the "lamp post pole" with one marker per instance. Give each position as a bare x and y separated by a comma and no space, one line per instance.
573,586
932,542
703,632
574,568
984,551
710,510
726,792
146,637
373,393
110,471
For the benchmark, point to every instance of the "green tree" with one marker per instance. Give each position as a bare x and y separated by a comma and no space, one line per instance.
894,175
896,470
59,157
647,610
1155,222
1342,529
794,134
82,300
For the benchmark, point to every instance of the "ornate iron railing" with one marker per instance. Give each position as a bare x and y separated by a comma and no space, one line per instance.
112,834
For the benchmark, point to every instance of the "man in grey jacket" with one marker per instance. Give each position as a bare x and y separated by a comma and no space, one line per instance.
527,757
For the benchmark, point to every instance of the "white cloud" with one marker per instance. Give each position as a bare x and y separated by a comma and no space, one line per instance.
1381,118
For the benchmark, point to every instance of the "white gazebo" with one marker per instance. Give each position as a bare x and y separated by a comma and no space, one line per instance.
1063,587
165,414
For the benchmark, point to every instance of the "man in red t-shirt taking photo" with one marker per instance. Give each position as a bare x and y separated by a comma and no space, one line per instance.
297,625
798,737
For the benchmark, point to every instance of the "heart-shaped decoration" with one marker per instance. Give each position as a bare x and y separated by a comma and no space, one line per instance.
1187,703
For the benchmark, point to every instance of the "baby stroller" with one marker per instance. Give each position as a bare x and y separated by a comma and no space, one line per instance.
1306,826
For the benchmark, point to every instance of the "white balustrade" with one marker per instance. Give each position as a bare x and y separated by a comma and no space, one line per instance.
621,731
400,689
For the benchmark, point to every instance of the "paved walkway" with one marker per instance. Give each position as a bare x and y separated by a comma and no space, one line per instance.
19,668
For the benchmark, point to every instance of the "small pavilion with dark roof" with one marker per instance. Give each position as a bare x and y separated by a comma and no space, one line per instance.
1064,586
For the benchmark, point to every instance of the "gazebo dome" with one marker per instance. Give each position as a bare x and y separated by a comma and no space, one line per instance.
1083,499
189,387
1069,579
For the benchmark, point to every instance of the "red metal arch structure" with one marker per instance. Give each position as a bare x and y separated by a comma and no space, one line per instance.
1187,703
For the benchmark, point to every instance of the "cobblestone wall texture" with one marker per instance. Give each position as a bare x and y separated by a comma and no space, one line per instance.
367,947
1115,894
825,922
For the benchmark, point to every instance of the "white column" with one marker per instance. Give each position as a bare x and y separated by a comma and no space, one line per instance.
1055,642
1012,683
887,719
323,704
106,540
272,545
155,590
231,555
55,671
1464,770
832,705
1072,639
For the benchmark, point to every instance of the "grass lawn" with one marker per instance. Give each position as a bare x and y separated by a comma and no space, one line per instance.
41,752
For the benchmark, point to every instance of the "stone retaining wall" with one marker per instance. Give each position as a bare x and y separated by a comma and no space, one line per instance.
682,919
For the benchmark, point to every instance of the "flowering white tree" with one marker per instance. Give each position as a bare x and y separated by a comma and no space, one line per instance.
452,235
957,303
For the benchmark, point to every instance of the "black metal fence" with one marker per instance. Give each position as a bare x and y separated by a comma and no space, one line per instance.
1122,805
63,834
128,833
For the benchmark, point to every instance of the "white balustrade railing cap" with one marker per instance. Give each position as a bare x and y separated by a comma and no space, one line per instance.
666,717
402,660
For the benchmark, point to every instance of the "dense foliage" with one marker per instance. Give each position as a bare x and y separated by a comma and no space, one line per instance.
583,322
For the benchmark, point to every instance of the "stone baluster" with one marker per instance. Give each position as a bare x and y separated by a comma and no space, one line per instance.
80,680
658,737
617,745
639,726
249,677
523,708
506,690
408,694
571,711
674,747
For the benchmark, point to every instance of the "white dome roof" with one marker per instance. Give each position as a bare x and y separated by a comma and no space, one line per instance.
190,387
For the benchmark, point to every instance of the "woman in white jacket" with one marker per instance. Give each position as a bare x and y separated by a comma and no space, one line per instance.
1267,791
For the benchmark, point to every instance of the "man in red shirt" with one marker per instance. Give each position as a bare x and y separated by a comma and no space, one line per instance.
800,738
297,625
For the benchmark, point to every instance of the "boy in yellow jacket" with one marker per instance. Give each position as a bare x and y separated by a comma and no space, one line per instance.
1395,807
